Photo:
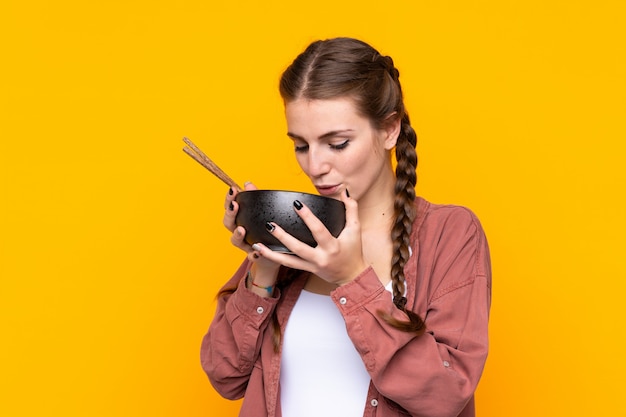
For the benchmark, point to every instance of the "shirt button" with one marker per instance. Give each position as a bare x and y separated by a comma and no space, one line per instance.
374,402
260,310
343,300
446,364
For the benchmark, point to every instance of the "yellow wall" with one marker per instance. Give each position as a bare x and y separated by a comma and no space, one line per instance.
111,245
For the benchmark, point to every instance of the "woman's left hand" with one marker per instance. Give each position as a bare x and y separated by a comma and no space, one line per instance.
336,260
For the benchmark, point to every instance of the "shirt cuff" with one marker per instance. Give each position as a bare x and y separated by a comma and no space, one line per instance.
365,287
252,305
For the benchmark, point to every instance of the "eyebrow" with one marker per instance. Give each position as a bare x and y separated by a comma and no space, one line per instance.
322,137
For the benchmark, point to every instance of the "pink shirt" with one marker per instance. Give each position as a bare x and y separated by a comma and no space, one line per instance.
432,375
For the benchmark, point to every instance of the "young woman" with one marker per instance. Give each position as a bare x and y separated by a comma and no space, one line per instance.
389,318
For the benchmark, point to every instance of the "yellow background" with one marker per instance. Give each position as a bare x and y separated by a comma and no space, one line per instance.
111,244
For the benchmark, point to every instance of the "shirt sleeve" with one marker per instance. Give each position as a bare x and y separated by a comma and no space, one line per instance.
434,374
232,344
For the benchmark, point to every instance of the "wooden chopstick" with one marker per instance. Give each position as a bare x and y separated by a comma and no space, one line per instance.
201,158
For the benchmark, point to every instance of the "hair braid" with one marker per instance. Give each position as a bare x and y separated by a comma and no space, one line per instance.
404,210
406,179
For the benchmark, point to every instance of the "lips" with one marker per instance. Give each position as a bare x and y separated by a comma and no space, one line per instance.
327,189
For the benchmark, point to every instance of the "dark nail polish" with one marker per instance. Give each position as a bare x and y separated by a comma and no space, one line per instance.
230,191
347,193
297,204
256,255
231,207
269,226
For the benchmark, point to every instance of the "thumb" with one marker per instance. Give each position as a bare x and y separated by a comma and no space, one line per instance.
247,186
352,209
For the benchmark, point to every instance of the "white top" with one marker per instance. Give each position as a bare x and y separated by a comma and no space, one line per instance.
321,372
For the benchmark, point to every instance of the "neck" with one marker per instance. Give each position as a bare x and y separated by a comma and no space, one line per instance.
376,217
376,208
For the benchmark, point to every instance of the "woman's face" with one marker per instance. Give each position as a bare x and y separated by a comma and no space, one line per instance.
339,149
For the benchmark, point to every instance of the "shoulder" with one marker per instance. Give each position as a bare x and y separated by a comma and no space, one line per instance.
447,233
448,217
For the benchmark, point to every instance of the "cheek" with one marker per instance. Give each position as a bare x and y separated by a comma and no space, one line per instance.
350,166
361,161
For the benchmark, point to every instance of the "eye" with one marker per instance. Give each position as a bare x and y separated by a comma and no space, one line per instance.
301,148
339,146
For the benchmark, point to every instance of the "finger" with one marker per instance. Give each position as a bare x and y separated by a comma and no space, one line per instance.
253,256
318,229
229,216
288,260
247,186
230,196
352,214
238,238
294,245
232,193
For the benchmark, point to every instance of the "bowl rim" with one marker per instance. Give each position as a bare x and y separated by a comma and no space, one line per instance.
264,191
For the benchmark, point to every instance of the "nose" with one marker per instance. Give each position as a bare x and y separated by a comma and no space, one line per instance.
317,163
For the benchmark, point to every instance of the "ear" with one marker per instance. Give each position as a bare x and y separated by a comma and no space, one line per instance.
391,130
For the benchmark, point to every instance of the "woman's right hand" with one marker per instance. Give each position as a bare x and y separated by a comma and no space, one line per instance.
263,270
231,207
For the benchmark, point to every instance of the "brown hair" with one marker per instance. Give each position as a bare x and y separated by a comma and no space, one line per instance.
346,67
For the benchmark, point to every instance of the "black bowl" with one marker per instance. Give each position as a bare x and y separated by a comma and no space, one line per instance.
256,207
